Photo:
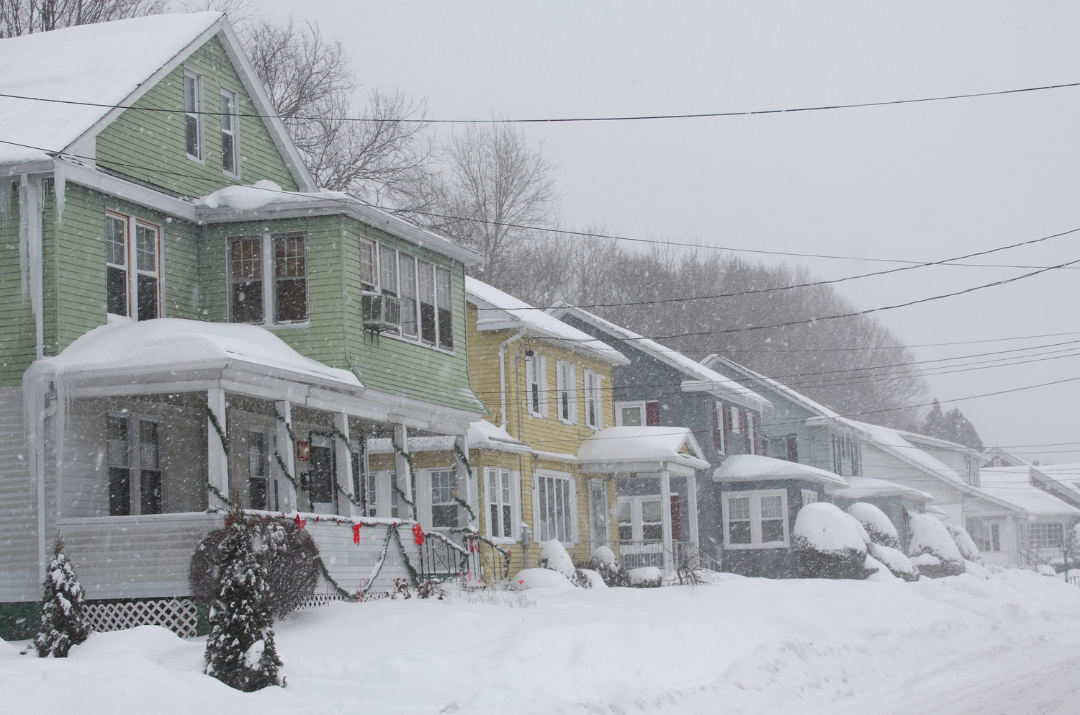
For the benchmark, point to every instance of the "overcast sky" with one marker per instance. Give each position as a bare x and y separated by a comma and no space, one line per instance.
915,182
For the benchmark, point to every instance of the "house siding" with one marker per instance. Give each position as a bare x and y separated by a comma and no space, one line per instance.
779,562
150,147
17,340
18,512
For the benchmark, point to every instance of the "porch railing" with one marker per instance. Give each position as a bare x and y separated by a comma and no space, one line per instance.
650,552
475,558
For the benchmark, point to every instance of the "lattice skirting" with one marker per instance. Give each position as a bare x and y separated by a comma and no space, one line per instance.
179,615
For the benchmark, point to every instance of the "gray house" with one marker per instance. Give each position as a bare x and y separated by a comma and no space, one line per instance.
662,387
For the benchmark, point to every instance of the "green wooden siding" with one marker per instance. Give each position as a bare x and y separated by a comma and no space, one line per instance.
150,145
16,318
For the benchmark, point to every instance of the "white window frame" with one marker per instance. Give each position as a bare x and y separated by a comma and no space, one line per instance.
620,406
736,422
494,496
131,256
425,500
594,400
566,391
755,519
269,279
197,115
719,429
751,431
809,496
537,364
233,131
637,514
442,343
133,445
540,532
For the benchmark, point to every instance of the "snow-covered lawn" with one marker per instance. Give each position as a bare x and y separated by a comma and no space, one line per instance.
955,645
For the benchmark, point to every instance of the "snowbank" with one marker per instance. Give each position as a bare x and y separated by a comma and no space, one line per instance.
879,527
929,537
542,578
964,543
894,560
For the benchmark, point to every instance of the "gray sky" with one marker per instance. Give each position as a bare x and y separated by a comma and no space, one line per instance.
916,182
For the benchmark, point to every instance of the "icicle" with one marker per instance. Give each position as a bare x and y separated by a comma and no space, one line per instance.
59,189
5,201
24,228
34,257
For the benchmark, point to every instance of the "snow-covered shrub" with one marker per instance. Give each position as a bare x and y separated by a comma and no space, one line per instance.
240,649
829,543
876,570
63,623
932,548
977,570
878,526
603,562
646,577
965,543
542,578
595,579
554,557
288,552
894,560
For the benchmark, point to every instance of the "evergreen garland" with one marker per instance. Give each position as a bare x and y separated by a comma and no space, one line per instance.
63,623
240,649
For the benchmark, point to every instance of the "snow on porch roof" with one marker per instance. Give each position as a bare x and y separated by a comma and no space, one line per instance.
753,467
99,64
173,344
865,487
632,445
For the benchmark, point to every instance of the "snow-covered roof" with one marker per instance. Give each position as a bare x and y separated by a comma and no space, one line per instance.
755,467
616,446
866,487
893,442
485,435
98,65
501,311
796,397
1013,485
699,377
172,345
935,442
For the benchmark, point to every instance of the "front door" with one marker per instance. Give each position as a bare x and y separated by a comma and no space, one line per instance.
322,475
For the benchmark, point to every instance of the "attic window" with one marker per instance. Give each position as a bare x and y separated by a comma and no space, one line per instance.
193,115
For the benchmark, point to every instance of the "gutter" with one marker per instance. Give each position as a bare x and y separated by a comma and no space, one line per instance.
502,371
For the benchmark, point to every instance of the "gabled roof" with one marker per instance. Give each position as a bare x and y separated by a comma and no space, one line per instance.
96,71
798,398
614,447
1013,485
755,467
501,311
698,378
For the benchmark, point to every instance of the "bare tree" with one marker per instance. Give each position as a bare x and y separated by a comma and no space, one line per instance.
23,17
493,187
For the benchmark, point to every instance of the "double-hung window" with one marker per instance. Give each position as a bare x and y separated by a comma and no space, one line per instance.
718,423
499,495
251,259
193,115
444,506
230,126
428,320
368,282
424,289
566,392
444,299
132,267
536,384
555,507
594,402
755,519
134,451
258,454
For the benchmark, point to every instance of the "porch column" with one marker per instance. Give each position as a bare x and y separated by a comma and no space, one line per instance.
461,441
343,460
665,518
287,451
403,474
217,461
691,506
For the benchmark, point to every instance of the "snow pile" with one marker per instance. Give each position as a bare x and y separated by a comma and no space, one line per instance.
259,194
829,543
542,578
895,561
876,570
645,577
554,557
879,527
1045,570
964,543
977,570
604,555
755,467
930,538
594,577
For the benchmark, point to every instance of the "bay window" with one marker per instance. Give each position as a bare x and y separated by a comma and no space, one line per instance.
755,519
425,291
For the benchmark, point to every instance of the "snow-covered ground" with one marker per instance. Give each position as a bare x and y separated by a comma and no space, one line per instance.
954,645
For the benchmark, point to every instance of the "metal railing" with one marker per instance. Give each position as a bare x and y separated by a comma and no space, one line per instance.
637,553
475,558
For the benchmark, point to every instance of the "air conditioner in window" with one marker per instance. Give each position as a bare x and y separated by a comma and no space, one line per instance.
381,312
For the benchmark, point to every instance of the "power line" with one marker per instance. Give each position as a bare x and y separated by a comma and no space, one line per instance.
579,120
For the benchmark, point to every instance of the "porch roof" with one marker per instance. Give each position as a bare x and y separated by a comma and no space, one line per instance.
865,487
641,449
754,467
1013,485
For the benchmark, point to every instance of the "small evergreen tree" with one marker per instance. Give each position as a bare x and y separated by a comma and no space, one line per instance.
240,649
63,623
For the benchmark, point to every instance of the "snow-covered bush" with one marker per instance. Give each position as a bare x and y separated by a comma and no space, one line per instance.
603,562
240,649
288,552
876,571
554,557
646,577
542,578
932,548
878,526
829,543
965,543
894,560
63,623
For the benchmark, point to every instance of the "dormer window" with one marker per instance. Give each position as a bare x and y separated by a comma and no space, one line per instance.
230,158
193,115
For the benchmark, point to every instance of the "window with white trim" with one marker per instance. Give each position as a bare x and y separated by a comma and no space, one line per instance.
230,133
251,258
566,391
193,115
594,401
135,470
424,289
629,414
368,280
751,433
756,519
809,496
736,420
132,267
444,506
536,384
719,431
1042,535
556,513
499,498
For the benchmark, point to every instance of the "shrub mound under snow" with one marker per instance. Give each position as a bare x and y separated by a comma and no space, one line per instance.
933,549
542,578
878,526
895,561
603,561
877,571
646,577
965,543
554,557
829,543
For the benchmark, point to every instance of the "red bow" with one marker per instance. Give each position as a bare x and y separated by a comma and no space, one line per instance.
356,533
300,523
418,534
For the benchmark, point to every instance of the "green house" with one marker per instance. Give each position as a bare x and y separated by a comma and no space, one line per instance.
185,317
